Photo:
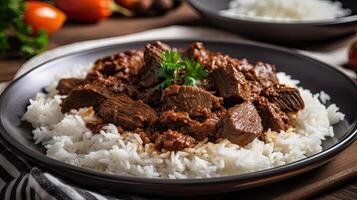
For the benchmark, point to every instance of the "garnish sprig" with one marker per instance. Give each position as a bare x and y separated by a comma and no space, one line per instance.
178,70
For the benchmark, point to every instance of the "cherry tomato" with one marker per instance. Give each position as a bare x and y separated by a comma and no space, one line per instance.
40,15
85,10
352,55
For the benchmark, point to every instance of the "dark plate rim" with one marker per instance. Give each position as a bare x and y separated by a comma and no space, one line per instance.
349,19
350,135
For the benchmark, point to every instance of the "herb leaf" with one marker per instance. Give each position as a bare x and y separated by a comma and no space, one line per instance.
170,57
194,72
168,68
170,63
176,70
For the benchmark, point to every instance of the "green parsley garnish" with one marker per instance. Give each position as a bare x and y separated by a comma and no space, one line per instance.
194,72
13,26
181,71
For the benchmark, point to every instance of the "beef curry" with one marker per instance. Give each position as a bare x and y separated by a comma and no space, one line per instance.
176,98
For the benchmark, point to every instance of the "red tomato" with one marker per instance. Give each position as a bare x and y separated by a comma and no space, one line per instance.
40,15
85,10
352,55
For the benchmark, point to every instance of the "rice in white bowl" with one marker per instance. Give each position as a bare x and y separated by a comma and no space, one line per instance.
286,10
67,139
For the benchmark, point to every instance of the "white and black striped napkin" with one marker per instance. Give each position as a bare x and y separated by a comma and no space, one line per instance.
22,181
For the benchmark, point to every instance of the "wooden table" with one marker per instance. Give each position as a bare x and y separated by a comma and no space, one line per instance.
341,173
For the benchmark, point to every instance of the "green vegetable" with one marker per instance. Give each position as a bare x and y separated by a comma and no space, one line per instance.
12,25
181,71
194,72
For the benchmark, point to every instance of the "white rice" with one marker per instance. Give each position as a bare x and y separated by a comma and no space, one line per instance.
285,10
67,139
324,98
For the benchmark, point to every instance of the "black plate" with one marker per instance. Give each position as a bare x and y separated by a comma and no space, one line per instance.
288,33
313,75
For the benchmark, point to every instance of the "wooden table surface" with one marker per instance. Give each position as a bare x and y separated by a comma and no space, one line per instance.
342,171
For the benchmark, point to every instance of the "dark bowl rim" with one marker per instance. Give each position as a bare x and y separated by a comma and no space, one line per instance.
338,21
349,137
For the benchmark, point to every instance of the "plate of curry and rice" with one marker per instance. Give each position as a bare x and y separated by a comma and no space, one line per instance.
179,115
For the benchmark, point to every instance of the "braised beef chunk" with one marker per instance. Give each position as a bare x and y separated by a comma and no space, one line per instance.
213,60
174,141
263,73
189,99
152,57
287,98
95,127
255,89
203,130
150,97
116,85
122,65
175,120
181,121
230,83
65,85
272,117
84,96
243,66
152,54
219,60
123,111
241,124
197,52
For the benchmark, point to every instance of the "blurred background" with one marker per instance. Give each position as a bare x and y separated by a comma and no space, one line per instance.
30,27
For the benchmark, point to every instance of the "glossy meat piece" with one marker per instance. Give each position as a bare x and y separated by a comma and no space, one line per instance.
259,76
181,121
176,120
84,96
150,97
197,52
174,141
202,130
230,83
213,60
121,110
263,73
65,85
241,124
219,60
189,99
152,57
287,98
272,117
255,89
95,127
243,66
121,65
